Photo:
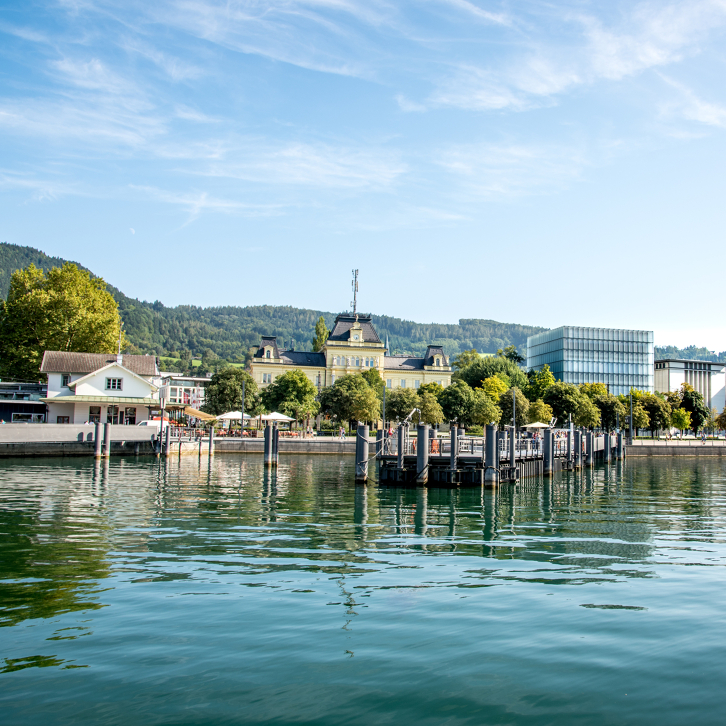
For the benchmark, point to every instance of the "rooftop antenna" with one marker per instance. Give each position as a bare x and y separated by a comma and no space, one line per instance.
355,293
120,333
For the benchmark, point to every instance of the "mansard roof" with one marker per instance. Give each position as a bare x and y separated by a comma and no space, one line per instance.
269,341
431,352
343,324
302,358
402,363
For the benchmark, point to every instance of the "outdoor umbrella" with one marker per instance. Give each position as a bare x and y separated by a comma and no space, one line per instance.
275,417
537,425
232,416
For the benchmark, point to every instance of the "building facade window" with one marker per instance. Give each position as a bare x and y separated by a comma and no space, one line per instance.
112,415
130,416
417,384
65,380
267,354
388,383
114,384
94,414
403,383
63,419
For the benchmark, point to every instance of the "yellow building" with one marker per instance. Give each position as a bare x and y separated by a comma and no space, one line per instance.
353,346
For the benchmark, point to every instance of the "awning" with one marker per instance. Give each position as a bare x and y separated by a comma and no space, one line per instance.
103,400
196,413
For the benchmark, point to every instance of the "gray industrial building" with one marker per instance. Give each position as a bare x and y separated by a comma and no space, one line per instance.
621,359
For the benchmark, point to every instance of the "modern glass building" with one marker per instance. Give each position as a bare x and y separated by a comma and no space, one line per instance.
621,359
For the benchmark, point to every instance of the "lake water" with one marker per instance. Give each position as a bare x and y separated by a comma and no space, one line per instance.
147,592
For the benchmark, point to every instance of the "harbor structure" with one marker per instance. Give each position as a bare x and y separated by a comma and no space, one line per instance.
353,346
99,387
706,377
21,401
621,359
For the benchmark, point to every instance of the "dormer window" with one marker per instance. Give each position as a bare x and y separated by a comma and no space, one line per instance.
438,361
267,354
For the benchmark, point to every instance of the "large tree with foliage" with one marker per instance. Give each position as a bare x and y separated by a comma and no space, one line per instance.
494,387
721,420
539,412
66,310
538,382
435,389
224,392
681,419
400,402
476,373
484,410
457,401
321,335
465,359
374,380
511,353
564,399
505,404
586,414
612,411
431,411
692,401
594,390
293,394
344,398
658,410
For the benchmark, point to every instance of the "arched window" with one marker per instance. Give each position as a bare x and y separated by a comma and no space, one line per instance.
357,362
438,361
267,354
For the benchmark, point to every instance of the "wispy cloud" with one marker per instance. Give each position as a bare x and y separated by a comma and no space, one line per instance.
692,108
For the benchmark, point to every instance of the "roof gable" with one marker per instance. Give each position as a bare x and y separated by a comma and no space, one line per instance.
107,368
57,361
343,324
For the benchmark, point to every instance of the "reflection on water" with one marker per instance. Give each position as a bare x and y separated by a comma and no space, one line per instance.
197,591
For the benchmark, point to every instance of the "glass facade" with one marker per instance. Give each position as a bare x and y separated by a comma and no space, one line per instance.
621,359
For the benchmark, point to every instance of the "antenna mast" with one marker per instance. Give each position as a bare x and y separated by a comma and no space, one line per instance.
355,293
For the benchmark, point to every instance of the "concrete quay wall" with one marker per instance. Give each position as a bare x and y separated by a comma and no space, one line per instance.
287,446
645,450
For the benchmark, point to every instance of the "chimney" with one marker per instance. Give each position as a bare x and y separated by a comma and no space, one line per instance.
120,359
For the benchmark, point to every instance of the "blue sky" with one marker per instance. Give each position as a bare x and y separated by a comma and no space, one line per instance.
546,163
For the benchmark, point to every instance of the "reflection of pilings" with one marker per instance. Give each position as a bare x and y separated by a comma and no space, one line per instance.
360,509
452,516
489,515
420,523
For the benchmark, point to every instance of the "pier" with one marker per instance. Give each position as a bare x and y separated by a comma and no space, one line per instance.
416,456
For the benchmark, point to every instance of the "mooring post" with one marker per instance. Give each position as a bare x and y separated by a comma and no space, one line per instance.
211,440
379,443
621,450
401,445
513,447
422,453
491,475
578,449
569,443
590,447
97,441
275,444
606,447
361,453
454,447
268,444
167,442
107,439
548,453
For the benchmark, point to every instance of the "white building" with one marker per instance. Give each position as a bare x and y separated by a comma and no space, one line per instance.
100,387
706,377
184,390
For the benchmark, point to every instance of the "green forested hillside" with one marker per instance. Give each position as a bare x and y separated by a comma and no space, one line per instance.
231,331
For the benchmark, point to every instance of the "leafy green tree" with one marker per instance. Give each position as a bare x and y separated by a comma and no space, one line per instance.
465,359
539,412
431,411
209,360
612,411
658,410
224,393
293,394
538,382
511,353
594,390
640,417
681,419
692,402
505,404
374,380
436,389
457,401
67,310
400,402
564,398
587,413
494,387
321,335
342,400
484,410
366,405
476,373
721,420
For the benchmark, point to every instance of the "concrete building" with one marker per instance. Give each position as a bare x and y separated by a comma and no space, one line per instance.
98,387
707,377
620,359
184,390
353,346
21,402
